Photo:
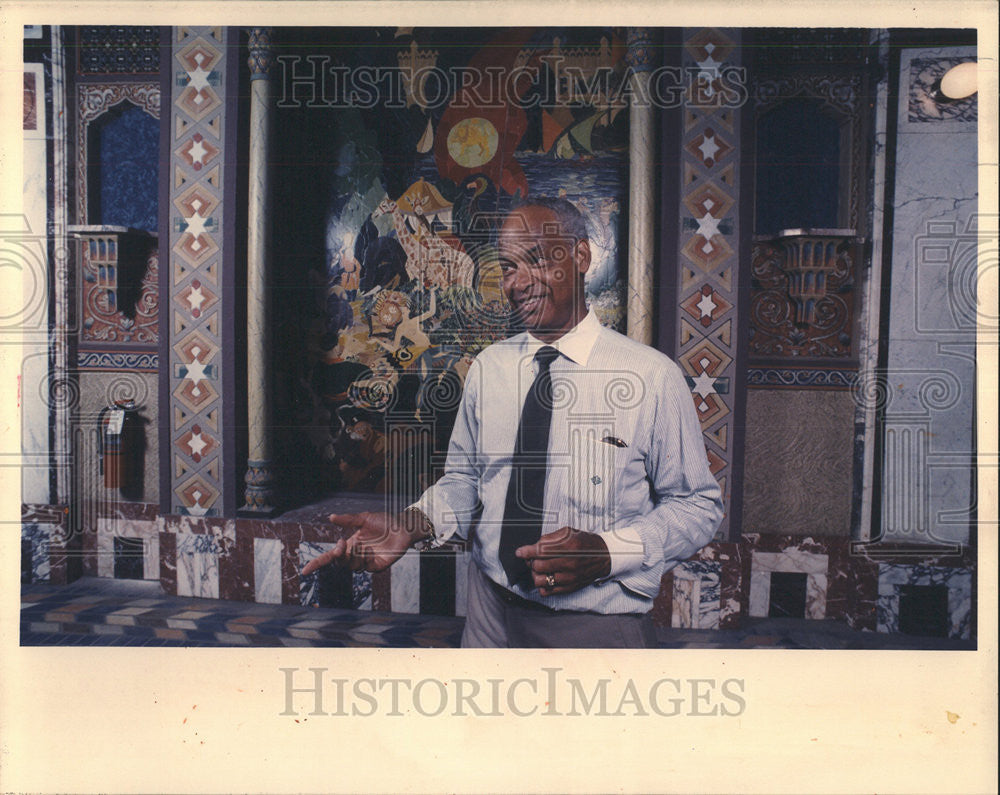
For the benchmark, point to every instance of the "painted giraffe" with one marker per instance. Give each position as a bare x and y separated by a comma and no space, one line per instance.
429,259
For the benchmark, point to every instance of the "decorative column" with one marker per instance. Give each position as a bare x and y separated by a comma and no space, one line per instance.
259,491
64,389
640,57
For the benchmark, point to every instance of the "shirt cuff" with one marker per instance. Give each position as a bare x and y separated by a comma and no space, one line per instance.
437,510
626,549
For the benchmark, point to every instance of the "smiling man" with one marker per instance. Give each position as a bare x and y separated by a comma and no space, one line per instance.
576,465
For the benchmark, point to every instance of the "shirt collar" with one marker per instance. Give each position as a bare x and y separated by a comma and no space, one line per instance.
577,343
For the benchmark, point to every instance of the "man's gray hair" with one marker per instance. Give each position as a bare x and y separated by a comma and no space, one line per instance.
571,220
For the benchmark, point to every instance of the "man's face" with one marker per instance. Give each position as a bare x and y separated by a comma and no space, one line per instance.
543,270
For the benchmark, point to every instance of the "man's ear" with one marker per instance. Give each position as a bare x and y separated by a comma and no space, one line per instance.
582,256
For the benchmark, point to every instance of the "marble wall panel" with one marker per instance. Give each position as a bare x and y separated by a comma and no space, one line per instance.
362,590
267,570
696,595
108,528
199,542
143,511
958,581
31,321
168,563
863,594
198,565
405,593
44,531
236,568
791,559
933,312
686,595
729,557
291,593
838,575
35,540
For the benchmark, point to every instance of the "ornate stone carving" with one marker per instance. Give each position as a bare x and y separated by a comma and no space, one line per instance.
774,331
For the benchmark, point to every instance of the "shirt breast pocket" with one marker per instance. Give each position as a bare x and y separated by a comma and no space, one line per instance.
596,474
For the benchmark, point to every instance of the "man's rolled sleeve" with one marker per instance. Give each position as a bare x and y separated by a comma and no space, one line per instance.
688,507
453,500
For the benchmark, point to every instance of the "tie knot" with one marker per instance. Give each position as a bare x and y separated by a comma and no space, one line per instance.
545,356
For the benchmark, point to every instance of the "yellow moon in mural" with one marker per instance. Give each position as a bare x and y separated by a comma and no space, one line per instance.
473,142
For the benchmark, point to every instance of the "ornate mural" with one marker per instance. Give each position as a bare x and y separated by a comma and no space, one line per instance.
409,290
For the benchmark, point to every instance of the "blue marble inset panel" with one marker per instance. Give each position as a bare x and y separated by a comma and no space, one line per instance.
35,540
332,586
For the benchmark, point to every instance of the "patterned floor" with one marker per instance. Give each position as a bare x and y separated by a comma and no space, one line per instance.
96,612
103,612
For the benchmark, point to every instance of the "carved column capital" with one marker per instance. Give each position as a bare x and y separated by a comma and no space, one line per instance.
640,55
260,58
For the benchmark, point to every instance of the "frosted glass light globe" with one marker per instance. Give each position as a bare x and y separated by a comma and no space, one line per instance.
959,81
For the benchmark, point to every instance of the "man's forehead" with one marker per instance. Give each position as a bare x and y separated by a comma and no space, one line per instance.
530,224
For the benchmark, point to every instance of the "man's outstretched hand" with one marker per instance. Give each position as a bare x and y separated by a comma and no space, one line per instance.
379,540
571,558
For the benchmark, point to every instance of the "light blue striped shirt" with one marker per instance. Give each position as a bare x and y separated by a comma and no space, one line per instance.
651,496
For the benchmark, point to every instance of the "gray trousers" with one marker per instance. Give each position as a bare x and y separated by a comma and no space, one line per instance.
492,622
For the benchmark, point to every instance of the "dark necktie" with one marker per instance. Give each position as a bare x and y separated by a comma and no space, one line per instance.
522,516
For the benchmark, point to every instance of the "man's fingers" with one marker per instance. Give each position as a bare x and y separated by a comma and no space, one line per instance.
562,582
325,558
558,542
549,565
542,581
360,553
528,552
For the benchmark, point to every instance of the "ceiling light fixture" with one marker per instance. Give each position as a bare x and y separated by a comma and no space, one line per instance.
957,83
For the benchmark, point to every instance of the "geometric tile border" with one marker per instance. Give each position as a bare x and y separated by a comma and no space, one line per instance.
194,311
707,247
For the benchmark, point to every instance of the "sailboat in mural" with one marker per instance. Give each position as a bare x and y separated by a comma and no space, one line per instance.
576,137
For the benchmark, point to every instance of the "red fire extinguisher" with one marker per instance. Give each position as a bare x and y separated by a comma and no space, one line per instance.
116,424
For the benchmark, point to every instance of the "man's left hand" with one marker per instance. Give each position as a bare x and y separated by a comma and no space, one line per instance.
566,560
